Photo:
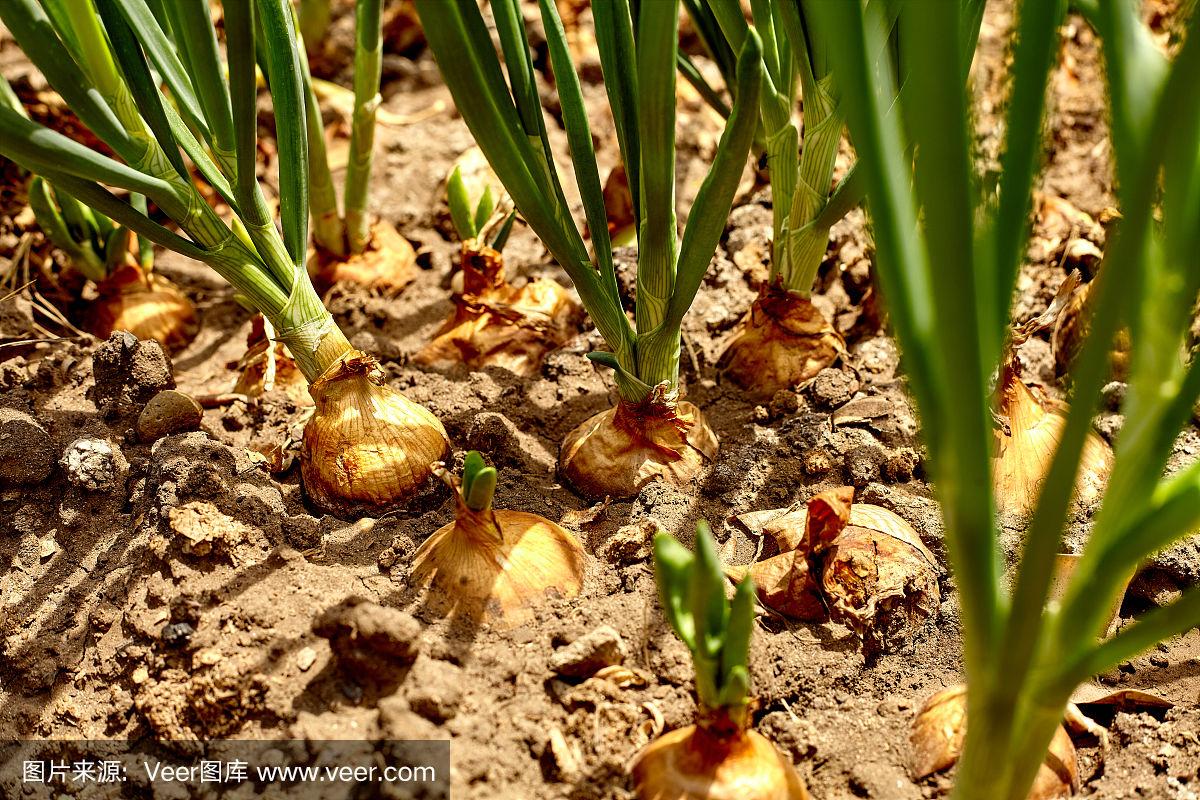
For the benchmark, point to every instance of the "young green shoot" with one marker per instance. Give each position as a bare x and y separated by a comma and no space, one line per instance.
720,753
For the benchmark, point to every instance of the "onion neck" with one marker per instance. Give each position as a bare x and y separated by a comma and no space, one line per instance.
481,527
723,723
482,268
308,329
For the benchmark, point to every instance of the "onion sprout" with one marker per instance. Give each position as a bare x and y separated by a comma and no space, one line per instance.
947,259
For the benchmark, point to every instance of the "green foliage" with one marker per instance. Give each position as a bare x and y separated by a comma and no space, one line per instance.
716,631
504,113
947,256
148,80
478,482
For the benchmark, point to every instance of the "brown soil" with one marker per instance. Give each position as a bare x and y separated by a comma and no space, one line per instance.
187,593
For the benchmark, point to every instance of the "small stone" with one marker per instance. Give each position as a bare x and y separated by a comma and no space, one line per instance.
817,462
901,465
1159,661
1113,395
93,464
863,464
630,544
168,412
305,658
26,451
177,634
601,648
435,688
832,387
784,402
128,373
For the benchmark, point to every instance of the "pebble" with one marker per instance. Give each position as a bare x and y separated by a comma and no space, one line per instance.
93,464
601,648
168,412
832,387
305,658
434,688
26,451
177,634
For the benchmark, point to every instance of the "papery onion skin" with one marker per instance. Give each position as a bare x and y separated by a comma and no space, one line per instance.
367,448
618,452
495,324
937,735
1071,331
783,341
386,266
147,305
497,566
694,764
1022,455
256,364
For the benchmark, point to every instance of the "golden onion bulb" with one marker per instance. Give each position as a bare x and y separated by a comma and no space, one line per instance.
937,735
1023,453
386,266
146,304
497,566
694,763
618,452
782,342
367,448
495,324
1071,331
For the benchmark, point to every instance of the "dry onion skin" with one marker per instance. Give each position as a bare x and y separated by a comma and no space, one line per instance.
937,734
694,764
496,324
783,341
1023,452
495,566
367,448
144,303
618,452
858,563
268,364
386,265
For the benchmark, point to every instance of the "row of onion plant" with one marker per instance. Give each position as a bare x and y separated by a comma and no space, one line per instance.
130,295
149,81
652,434
947,259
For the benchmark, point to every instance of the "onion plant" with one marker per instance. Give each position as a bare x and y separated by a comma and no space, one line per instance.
148,80
784,340
494,323
719,756
947,257
651,434
131,297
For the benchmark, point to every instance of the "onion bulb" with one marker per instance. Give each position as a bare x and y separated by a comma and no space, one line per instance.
783,341
1024,451
490,565
495,324
386,266
617,452
937,739
698,763
268,364
860,564
367,448
144,303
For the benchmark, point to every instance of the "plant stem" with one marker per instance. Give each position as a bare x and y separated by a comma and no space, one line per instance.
368,64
